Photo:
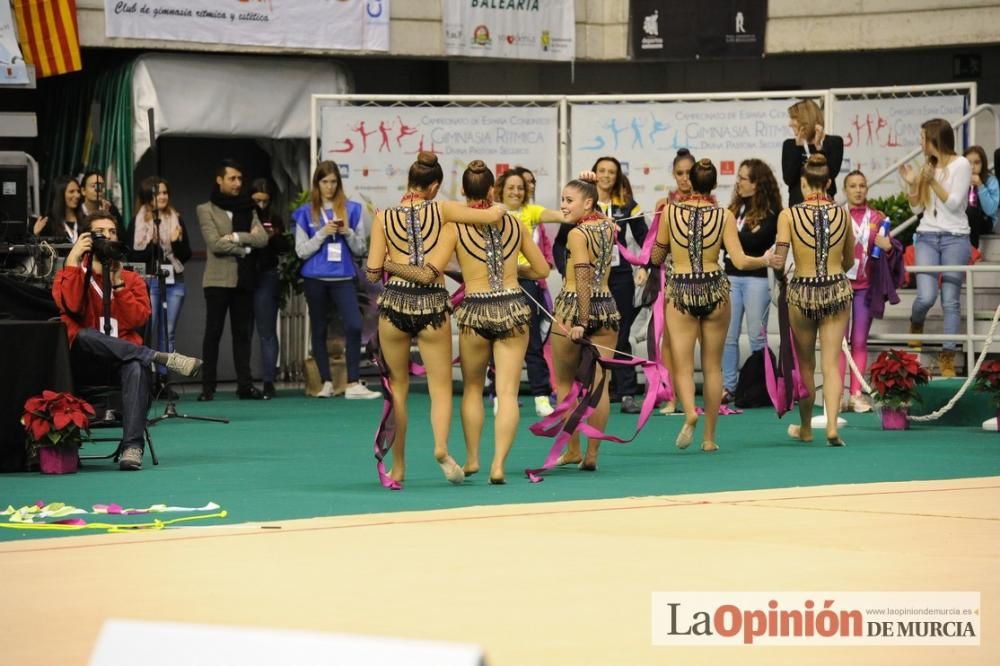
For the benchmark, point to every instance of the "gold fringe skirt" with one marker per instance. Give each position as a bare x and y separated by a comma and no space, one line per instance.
603,311
698,294
413,307
494,315
820,297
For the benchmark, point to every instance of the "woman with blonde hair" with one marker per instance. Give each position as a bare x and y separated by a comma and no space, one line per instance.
159,225
513,191
693,232
328,235
407,242
805,119
940,190
821,237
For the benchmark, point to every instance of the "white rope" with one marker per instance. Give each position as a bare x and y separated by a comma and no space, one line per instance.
565,333
933,416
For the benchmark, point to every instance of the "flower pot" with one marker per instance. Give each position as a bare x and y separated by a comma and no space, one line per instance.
58,459
895,419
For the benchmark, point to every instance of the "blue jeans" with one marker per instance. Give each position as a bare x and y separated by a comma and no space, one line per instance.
936,249
265,314
320,294
132,362
175,300
749,297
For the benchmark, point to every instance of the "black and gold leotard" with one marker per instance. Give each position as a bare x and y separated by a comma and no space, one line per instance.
497,313
697,229
411,307
817,228
591,297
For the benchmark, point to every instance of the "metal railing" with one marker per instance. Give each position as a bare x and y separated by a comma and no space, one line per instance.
982,108
970,337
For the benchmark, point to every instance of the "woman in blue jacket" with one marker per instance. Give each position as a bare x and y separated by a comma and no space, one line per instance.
328,234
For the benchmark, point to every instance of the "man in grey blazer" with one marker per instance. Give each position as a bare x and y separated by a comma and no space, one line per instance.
231,231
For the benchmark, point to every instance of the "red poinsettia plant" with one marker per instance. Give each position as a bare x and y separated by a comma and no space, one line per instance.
988,380
895,376
56,419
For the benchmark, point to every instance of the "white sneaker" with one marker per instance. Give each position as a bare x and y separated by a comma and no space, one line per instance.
326,391
358,391
542,406
859,404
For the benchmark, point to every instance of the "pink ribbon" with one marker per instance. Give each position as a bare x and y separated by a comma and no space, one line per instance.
571,414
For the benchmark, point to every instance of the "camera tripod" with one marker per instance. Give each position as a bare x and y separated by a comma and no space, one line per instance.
162,338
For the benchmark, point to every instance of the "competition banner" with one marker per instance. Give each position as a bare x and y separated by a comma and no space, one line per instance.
879,132
316,24
375,146
525,29
12,68
645,138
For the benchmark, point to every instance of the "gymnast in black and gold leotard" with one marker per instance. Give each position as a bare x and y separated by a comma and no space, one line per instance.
493,316
405,239
585,306
821,236
693,232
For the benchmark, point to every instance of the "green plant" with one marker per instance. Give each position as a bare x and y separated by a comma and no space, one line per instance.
290,265
897,209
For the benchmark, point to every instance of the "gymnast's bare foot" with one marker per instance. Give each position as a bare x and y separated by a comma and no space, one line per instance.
709,447
497,475
803,433
451,470
686,435
470,468
569,458
397,473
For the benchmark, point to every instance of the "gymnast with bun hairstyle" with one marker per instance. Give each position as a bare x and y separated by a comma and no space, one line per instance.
821,237
406,242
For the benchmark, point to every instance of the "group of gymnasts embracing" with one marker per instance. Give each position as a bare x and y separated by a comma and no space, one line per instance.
413,242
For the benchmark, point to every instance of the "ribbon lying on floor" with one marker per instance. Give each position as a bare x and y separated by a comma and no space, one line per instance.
571,414
784,383
26,517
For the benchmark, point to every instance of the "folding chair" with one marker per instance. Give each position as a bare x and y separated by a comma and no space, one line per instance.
101,387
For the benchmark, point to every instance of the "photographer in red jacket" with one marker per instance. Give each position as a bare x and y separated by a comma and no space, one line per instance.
79,295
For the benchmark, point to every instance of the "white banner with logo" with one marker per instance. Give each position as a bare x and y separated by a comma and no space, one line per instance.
12,68
375,146
526,29
645,138
878,132
317,24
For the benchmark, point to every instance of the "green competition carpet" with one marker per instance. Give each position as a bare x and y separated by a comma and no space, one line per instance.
297,457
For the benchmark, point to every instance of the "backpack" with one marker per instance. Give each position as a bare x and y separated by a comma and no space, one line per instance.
751,387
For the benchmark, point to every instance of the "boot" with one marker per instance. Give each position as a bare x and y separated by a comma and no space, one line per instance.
946,362
916,345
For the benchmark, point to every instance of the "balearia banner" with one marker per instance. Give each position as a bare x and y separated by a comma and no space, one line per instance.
526,29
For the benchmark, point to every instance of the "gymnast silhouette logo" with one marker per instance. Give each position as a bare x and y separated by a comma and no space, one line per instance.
650,24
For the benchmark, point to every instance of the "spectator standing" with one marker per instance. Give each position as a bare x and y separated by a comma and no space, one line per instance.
232,230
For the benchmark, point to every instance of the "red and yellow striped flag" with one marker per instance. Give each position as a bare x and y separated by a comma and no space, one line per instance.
49,37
